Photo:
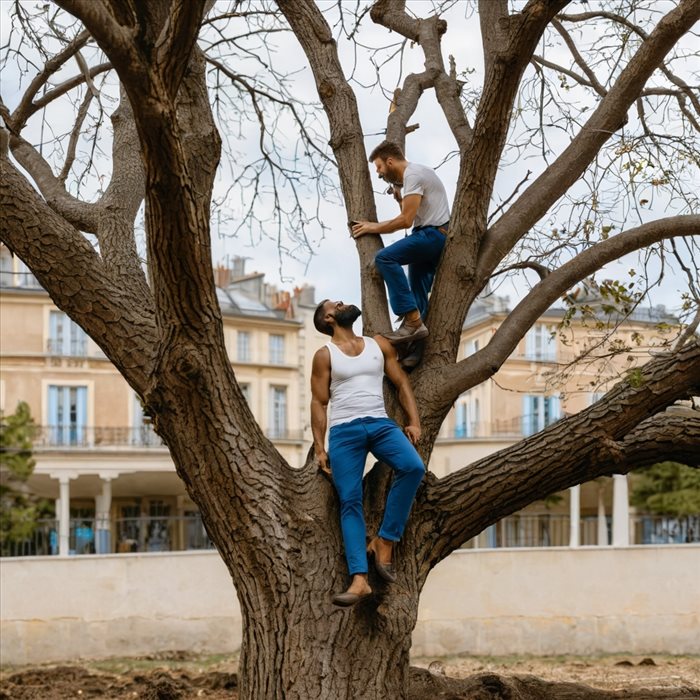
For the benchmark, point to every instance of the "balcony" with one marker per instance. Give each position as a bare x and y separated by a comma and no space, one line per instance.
553,530
141,437
509,428
76,347
86,437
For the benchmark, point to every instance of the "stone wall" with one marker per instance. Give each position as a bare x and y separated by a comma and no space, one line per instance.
517,601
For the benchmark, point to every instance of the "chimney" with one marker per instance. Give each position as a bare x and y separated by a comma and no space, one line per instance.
238,266
222,276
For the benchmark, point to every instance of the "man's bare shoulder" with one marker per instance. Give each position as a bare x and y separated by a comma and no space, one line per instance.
386,347
322,357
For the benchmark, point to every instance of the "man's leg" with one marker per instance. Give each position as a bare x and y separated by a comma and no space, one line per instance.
347,452
389,261
391,446
421,273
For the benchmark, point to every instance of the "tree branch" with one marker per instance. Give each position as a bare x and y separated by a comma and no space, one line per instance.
459,377
427,32
120,318
574,450
26,107
314,35
82,215
607,118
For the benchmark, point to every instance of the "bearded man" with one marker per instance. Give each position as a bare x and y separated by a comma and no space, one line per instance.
424,209
348,373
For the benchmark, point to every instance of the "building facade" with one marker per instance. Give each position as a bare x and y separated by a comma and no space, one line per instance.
114,484
97,457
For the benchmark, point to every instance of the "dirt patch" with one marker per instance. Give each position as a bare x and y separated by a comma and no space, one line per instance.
181,676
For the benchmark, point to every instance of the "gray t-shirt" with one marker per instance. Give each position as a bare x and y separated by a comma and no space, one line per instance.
434,208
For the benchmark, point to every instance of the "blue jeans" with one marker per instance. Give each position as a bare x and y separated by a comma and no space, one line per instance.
421,251
348,445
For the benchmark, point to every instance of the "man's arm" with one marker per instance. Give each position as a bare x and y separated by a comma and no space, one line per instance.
320,395
409,209
399,379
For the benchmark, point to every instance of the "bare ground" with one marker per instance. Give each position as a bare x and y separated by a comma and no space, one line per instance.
180,676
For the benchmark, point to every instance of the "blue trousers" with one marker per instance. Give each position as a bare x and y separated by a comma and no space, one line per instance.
421,251
348,446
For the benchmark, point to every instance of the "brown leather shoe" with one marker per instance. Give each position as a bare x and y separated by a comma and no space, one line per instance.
386,571
347,599
407,332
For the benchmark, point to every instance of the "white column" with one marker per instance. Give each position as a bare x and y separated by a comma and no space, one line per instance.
103,505
621,512
64,517
602,524
575,516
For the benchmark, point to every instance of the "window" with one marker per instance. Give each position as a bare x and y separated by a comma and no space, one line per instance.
67,415
276,349
245,390
25,277
6,272
278,411
142,434
540,343
66,338
243,346
595,396
467,418
539,412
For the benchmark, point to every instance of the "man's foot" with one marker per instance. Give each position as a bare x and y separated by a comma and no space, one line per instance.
411,355
408,331
381,551
358,589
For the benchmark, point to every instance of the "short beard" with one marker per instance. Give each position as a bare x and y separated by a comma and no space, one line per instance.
346,317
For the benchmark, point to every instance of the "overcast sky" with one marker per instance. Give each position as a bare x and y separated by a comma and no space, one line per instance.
334,269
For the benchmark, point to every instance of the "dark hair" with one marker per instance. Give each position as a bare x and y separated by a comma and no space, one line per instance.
387,149
319,323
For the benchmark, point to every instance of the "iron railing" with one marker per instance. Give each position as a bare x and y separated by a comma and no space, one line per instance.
119,535
173,534
553,530
75,436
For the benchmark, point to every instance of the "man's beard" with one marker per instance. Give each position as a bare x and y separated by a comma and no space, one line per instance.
393,176
347,316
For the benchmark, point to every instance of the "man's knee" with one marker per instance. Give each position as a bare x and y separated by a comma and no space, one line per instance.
381,259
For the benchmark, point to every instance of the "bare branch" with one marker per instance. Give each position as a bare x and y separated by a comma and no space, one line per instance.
574,450
459,377
25,108
82,215
592,80
607,118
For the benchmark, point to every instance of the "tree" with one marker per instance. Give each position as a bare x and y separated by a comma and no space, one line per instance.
277,528
668,488
19,510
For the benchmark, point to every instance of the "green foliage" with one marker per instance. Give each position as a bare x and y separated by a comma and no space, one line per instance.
667,488
19,510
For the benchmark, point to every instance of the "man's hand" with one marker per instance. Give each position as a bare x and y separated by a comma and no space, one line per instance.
412,433
323,463
362,227
396,191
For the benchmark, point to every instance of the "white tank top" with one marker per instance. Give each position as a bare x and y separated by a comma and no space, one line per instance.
356,383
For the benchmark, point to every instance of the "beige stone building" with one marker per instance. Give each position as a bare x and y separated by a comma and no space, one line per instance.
535,387
114,484
97,456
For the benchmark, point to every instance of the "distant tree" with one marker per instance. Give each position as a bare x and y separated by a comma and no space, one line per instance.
19,509
667,488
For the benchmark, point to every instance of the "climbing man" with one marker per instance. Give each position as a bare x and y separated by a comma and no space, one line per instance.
424,207
348,372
